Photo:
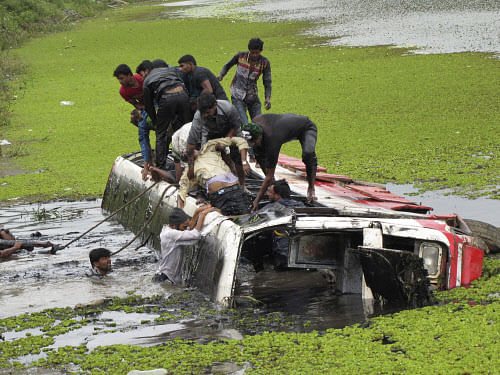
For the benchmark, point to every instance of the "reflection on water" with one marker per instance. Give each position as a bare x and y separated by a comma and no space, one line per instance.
432,26
482,209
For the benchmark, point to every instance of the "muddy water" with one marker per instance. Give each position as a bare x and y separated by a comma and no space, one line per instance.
33,282
298,300
430,26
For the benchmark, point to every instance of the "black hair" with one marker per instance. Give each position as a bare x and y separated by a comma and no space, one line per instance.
122,69
135,117
187,59
98,253
159,63
282,188
255,43
206,101
143,66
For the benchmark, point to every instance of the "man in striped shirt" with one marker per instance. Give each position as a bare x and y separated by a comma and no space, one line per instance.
250,66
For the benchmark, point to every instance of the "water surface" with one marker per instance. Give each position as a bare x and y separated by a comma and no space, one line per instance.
429,26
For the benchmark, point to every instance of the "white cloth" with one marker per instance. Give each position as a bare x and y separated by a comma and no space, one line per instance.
172,256
179,141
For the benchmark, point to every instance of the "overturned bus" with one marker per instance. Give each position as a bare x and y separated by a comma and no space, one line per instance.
368,240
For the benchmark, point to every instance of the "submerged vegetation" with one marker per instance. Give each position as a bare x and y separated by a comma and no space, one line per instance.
383,114
457,337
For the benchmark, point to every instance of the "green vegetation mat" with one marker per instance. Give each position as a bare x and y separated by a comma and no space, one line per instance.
458,336
383,114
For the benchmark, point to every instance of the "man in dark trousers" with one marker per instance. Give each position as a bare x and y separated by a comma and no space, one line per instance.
250,65
166,87
268,133
200,80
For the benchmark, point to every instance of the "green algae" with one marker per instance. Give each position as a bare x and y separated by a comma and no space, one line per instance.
383,115
458,337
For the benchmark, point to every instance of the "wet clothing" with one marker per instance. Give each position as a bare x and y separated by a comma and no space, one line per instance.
93,272
173,107
7,244
281,241
172,256
279,129
232,201
133,95
244,91
209,164
244,84
202,74
206,128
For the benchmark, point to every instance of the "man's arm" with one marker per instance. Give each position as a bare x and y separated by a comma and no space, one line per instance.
185,184
197,212
206,87
202,216
242,145
8,252
194,136
266,80
158,174
228,66
234,119
267,181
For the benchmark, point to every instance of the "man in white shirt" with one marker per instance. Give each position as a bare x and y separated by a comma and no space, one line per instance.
174,236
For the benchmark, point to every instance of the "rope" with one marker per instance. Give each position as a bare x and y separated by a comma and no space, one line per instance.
147,222
110,216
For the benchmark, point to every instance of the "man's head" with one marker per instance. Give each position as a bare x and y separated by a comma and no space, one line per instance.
159,63
187,64
252,132
124,75
6,235
255,46
279,189
135,117
144,68
100,259
207,105
178,219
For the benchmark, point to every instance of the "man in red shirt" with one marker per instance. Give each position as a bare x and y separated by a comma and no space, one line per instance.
131,91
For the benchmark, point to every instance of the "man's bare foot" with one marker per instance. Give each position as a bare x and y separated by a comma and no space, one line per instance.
311,195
